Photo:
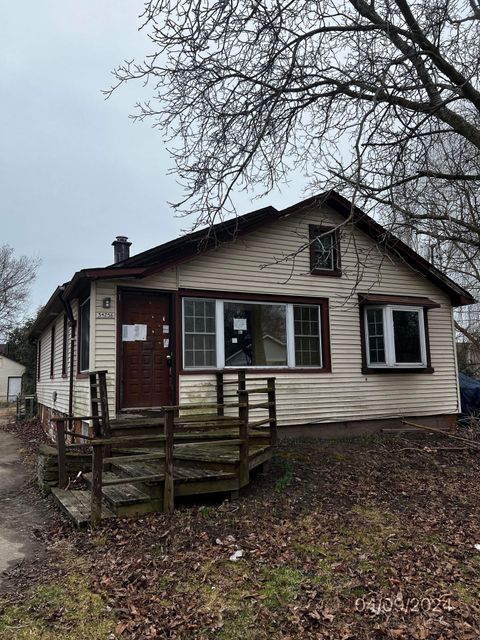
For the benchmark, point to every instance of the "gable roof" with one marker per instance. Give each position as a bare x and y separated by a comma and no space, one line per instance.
192,244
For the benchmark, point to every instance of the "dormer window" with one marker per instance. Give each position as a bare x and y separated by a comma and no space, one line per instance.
324,251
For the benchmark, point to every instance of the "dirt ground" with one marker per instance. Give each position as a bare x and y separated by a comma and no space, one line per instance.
369,539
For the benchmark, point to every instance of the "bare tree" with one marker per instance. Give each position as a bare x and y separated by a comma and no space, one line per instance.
372,98
16,277
249,90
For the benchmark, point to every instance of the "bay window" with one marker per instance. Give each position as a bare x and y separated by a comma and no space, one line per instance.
244,333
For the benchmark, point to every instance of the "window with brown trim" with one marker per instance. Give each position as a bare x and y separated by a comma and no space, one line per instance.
324,251
84,336
39,358
64,346
52,351
223,333
394,337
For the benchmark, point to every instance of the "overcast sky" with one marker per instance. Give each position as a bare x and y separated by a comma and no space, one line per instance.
75,171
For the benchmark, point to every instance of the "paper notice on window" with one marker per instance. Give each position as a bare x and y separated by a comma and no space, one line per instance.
239,324
134,332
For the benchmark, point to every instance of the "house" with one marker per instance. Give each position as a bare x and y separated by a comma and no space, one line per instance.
356,327
11,373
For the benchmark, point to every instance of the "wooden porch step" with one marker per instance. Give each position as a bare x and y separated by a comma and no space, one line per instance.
126,499
121,494
134,468
142,455
181,474
77,505
220,453
136,423
199,435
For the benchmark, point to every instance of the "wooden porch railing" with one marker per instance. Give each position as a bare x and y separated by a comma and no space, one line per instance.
175,430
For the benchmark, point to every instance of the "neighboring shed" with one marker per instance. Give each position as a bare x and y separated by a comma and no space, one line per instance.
11,373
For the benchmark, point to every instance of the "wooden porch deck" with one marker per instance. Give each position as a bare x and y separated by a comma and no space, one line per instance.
143,464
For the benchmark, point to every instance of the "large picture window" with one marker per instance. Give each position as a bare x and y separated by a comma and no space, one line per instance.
84,338
395,337
237,333
255,334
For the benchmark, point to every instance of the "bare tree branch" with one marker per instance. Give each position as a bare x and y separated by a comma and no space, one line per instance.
16,277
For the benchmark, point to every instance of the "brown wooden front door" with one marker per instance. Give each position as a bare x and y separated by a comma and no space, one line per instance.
145,370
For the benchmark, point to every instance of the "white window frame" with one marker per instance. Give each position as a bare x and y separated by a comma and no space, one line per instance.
220,334
192,367
389,337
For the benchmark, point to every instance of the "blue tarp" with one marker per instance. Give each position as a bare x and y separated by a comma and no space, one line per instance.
469,394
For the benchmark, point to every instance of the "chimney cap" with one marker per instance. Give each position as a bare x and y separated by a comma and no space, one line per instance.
121,240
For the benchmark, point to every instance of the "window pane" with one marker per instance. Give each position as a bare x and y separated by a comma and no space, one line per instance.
323,248
406,326
199,327
307,336
376,336
85,336
255,334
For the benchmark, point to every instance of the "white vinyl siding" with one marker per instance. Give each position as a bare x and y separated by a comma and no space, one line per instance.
47,387
345,393
250,264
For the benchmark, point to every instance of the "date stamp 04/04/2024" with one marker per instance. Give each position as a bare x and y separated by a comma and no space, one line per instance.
375,606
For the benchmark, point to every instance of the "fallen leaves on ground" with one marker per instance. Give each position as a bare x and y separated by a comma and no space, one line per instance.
367,539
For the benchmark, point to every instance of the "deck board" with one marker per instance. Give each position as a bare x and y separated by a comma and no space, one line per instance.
77,505
206,458
180,473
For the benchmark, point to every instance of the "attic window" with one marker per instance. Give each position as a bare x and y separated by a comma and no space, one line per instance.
324,251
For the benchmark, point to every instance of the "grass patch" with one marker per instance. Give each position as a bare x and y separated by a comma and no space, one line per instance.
286,479
65,609
281,584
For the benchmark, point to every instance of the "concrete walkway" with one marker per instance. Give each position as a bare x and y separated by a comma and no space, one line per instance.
20,513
